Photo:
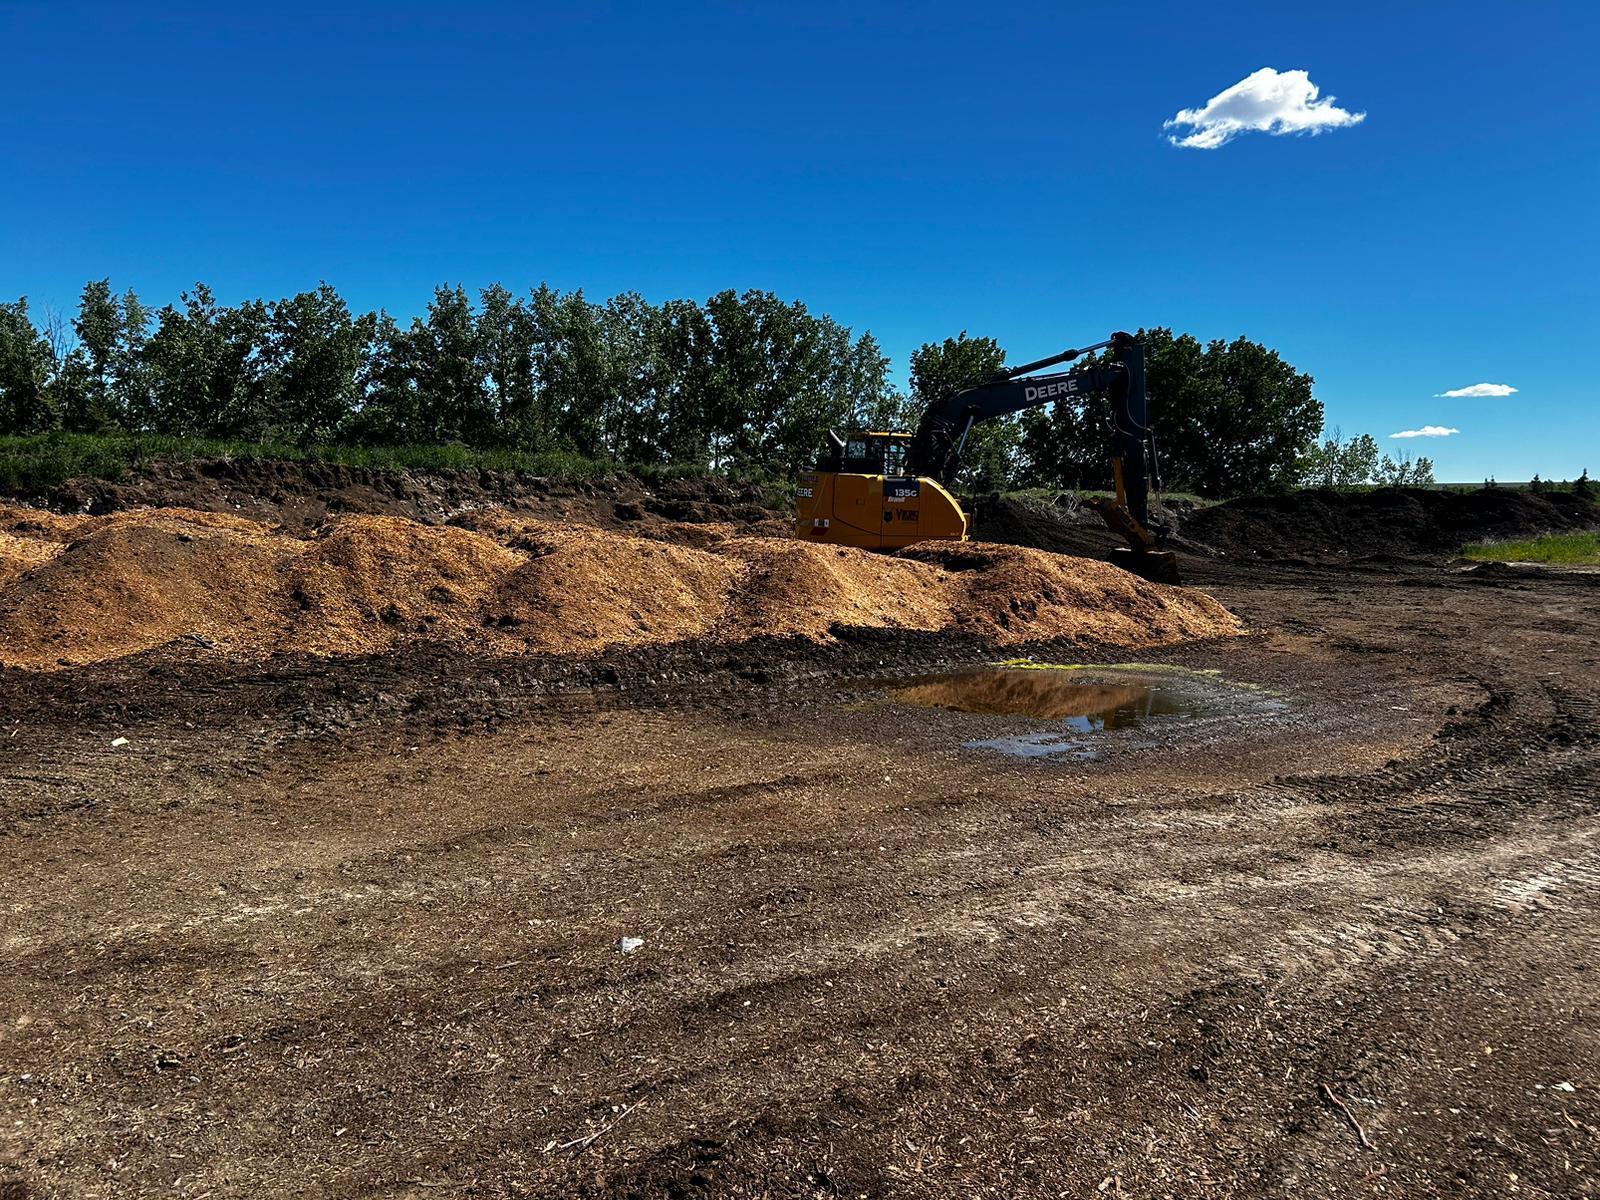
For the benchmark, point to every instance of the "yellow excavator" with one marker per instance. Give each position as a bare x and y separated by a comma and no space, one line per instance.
883,491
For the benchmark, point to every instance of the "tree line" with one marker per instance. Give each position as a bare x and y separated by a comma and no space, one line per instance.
739,381
745,377
1337,463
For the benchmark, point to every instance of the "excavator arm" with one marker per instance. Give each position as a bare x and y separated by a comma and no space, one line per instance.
941,435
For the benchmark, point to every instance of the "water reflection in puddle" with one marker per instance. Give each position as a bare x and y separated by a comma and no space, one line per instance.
1048,696
1075,702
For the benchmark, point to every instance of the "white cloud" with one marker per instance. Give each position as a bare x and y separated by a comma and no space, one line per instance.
1426,431
1478,389
1267,101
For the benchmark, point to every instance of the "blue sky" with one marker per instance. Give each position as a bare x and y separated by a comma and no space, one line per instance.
912,169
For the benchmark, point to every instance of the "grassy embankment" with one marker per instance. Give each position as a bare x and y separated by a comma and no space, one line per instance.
1565,549
33,464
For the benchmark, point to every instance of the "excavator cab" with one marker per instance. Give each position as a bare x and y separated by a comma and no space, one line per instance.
866,452
861,495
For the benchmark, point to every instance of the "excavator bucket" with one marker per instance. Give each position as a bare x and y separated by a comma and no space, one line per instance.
1140,556
1158,566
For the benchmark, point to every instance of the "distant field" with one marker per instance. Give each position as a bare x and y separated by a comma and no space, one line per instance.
1548,485
1570,549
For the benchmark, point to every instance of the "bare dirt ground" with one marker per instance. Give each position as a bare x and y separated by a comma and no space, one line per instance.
352,928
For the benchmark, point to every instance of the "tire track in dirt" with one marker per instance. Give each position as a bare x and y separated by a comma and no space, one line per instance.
1005,984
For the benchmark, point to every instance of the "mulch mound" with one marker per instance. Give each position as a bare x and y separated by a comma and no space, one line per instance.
86,589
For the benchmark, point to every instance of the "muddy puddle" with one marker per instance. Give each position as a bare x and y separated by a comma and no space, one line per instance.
1070,709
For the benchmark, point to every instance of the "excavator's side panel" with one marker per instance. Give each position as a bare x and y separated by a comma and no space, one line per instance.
839,509
813,502
875,513
920,510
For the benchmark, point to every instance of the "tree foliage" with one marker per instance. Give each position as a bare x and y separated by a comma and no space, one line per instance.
989,457
1336,463
739,380
25,366
1230,417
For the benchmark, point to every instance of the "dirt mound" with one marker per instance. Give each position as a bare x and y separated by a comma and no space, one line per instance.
1408,522
370,583
1065,524
1061,526
799,588
86,589
20,555
578,589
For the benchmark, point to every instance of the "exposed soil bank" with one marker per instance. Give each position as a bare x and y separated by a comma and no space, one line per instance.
1322,525
1311,525
304,495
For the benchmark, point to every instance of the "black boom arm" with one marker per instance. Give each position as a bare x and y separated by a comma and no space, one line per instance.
941,435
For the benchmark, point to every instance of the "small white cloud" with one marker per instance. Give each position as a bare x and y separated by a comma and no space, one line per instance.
1426,431
1266,101
1478,389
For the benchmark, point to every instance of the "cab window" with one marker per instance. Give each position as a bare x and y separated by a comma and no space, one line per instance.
894,456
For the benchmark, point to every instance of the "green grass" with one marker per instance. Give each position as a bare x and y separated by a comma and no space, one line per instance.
1568,549
36,463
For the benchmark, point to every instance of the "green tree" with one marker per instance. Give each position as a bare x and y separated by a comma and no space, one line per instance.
1232,418
875,403
104,382
814,379
991,455
1229,417
1403,471
505,350
683,364
628,371
204,368
453,401
1319,463
737,372
775,379
89,401
390,411
25,369
569,358
1357,461
1336,463
312,355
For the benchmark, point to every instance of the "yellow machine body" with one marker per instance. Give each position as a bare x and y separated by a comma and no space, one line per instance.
875,512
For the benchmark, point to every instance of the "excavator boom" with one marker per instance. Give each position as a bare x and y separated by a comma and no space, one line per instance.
941,434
